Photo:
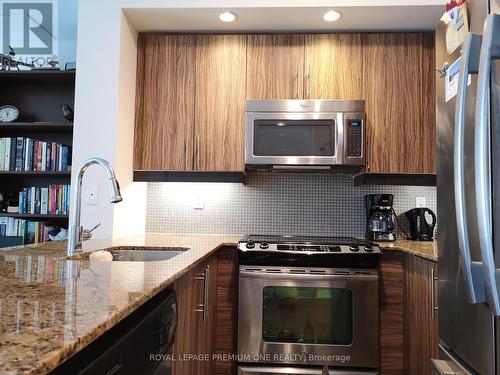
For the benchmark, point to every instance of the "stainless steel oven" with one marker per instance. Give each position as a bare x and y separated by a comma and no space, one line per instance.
306,316
304,133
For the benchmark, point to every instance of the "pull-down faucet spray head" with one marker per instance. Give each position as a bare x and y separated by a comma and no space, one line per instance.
75,232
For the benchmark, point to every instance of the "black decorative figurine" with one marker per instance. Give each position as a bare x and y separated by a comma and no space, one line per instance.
67,112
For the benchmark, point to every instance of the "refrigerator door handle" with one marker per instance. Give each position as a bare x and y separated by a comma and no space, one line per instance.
468,65
490,49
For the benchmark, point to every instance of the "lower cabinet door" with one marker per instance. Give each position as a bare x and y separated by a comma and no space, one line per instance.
185,344
422,314
195,336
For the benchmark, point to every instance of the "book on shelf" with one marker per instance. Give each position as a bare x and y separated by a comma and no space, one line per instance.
51,200
30,231
25,155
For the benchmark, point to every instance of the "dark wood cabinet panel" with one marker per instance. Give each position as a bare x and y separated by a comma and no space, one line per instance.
191,92
392,314
209,286
227,304
220,102
333,67
275,64
398,88
409,331
187,293
421,316
164,102
206,278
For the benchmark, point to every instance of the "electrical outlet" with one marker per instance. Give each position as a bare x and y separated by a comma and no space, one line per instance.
420,202
198,203
92,195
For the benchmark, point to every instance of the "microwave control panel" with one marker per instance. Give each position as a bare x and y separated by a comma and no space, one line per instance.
354,137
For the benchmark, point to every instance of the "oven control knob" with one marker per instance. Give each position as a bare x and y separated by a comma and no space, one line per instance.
264,245
250,245
368,249
353,248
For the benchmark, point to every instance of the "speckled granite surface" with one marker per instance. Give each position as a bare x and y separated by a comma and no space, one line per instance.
423,249
51,307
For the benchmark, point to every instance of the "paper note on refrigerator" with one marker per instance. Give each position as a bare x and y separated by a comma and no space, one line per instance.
451,80
457,28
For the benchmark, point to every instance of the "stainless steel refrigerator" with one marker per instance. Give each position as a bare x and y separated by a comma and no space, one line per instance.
468,136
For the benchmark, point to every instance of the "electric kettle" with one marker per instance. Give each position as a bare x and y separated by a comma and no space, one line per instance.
420,228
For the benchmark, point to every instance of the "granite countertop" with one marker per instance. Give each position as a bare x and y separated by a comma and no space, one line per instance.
423,249
51,307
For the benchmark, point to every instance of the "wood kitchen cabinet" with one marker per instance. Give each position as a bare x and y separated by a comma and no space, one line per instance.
207,305
421,314
196,300
275,64
220,102
191,92
333,67
398,83
165,102
190,103
409,331
392,313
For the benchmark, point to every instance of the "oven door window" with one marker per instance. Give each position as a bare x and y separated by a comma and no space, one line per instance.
294,138
307,315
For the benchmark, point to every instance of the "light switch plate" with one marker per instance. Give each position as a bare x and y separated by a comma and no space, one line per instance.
91,195
420,202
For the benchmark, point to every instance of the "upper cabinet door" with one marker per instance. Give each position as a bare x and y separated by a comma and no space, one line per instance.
399,92
220,102
164,102
275,66
333,66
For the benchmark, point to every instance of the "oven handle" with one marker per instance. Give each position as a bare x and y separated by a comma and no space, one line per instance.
308,276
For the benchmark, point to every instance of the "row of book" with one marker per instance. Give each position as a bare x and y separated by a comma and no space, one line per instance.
26,154
51,200
31,231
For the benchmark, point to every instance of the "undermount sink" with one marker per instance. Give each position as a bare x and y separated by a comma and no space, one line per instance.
137,255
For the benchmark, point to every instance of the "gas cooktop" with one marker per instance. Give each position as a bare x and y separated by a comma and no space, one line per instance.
307,244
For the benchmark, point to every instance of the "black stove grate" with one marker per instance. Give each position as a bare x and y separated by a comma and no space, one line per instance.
311,240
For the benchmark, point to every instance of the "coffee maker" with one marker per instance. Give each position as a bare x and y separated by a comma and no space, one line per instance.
420,228
379,217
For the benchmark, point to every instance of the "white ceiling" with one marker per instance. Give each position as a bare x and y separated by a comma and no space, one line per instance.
416,16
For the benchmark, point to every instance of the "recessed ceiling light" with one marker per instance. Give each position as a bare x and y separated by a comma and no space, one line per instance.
331,16
227,17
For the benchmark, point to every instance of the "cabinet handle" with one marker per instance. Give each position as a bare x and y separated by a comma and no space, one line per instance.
297,94
197,152
185,154
308,82
434,308
206,291
203,307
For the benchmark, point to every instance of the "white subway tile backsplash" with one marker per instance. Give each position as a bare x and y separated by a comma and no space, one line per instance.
272,203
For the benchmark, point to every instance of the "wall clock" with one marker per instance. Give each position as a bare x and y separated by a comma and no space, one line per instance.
8,113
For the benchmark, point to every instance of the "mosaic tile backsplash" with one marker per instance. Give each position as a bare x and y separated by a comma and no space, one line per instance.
273,203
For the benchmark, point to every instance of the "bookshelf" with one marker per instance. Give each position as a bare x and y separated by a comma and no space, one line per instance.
38,95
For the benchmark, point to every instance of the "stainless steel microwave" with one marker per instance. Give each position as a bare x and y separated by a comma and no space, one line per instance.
304,134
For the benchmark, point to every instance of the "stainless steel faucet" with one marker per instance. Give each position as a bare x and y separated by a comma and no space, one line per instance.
75,230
